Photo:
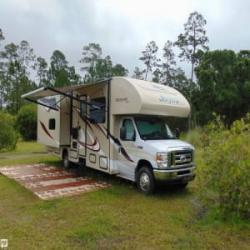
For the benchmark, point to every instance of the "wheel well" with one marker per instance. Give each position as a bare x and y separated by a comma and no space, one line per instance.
143,163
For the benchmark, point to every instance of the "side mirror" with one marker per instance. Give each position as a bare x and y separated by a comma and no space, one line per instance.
177,133
122,133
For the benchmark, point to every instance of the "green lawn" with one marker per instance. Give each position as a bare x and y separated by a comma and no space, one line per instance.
115,218
26,152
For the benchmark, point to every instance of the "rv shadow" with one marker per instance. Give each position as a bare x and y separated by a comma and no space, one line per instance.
161,189
171,190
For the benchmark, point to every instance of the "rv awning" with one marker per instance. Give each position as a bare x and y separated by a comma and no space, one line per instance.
38,93
49,91
38,96
66,91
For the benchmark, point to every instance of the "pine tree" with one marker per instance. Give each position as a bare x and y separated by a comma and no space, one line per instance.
193,40
149,57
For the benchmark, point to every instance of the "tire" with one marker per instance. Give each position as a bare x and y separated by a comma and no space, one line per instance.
145,180
66,162
82,163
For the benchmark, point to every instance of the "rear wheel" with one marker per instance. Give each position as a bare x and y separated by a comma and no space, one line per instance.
145,180
66,162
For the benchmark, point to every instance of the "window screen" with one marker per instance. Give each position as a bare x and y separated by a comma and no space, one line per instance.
98,110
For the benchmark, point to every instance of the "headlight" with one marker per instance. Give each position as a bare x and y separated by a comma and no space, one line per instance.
162,159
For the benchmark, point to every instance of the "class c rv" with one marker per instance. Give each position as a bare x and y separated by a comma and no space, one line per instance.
117,126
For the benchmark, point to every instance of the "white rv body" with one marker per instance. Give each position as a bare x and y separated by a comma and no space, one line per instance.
54,138
100,125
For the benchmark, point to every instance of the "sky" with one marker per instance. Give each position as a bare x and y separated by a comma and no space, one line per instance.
121,27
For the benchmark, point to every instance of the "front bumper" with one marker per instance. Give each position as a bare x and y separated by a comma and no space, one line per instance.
175,174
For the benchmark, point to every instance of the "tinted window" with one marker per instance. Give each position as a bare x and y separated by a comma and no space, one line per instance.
127,130
97,110
151,128
52,124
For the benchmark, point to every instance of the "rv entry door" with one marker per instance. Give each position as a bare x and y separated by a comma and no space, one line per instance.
82,135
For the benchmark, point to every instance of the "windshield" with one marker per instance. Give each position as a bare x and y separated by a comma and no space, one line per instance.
153,128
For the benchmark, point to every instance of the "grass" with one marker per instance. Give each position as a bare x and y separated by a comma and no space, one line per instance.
25,153
114,218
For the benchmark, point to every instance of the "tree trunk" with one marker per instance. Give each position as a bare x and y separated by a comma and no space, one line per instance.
193,55
192,71
146,74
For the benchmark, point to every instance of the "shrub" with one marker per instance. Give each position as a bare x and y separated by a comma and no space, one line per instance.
26,122
194,137
8,135
226,175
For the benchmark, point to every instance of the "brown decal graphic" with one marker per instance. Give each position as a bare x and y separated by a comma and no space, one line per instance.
46,130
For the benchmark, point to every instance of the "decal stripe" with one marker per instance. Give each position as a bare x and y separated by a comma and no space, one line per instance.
103,129
117,142
46,130
90,147
93,144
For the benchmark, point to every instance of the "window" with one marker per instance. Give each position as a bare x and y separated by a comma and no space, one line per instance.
97,110
127,132
49,101
52,124
153,128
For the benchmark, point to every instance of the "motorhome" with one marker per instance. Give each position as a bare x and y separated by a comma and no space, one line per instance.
118,126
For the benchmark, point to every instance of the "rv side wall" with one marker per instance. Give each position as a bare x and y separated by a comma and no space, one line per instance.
48,125
65,122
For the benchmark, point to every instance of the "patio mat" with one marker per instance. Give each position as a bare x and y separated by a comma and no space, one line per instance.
50,182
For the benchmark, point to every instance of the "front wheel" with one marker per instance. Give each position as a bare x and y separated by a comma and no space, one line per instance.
145,180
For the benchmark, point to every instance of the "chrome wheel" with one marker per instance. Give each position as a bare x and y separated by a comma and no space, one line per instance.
144,182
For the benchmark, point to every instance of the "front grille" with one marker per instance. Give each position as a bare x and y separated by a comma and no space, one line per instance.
183,172
181,157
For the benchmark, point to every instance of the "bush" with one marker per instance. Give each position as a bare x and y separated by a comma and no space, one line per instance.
226,175
194,137
8,135
26,122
